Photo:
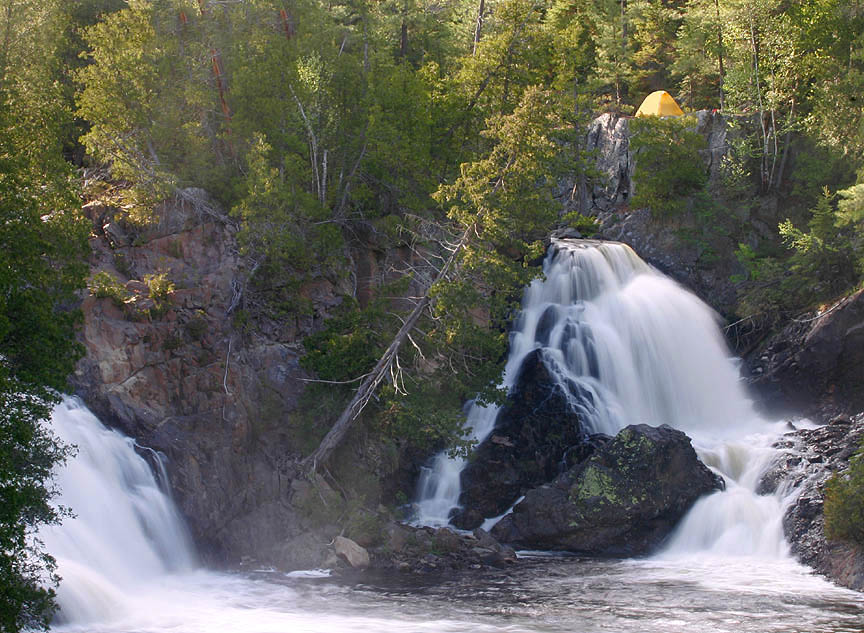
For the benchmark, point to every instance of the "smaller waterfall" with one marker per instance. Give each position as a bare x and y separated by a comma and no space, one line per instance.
125,531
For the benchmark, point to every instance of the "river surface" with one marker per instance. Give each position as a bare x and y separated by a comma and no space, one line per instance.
536,595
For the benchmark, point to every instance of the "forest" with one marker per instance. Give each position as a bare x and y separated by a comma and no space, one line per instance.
444,125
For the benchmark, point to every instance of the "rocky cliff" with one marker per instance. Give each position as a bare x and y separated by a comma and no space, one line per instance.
182,373
661,243
815,365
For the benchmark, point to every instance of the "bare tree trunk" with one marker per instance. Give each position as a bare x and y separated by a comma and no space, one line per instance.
7,39
373,379
787,141
720,53
287,23
219,75
403,39
478,29
763,167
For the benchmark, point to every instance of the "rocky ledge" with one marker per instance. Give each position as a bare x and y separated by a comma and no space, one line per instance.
815,364
809,458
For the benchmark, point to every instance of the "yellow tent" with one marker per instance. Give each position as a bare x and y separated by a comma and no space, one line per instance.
659,103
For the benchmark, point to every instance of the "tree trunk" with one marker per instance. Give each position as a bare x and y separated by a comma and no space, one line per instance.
373,379
403,39
478,29
720,53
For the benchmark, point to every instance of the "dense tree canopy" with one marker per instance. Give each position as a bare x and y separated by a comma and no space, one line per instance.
42,263
443,127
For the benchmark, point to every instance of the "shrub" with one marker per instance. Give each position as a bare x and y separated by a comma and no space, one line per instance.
103,285
670,167
844,502
160,286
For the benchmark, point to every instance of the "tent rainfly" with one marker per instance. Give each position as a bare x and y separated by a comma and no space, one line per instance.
659,103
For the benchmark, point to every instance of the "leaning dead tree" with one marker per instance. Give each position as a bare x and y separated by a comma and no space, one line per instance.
382,368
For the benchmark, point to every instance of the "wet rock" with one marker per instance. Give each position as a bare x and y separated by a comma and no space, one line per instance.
808,458
816,366
532,435
424,550
622,501
355,555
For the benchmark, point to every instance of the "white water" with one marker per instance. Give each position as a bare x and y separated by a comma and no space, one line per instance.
127,565
126,531
632,346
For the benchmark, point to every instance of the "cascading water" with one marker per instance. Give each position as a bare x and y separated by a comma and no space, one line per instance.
125,531
630,345
127,564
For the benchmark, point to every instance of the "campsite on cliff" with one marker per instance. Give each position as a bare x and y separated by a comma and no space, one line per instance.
451,316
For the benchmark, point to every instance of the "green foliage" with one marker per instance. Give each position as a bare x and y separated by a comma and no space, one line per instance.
844,503
820,263
350,343
823,258
505,202
670,167
43,246
160,286
28,452
586,225
281,222
429,414
104,285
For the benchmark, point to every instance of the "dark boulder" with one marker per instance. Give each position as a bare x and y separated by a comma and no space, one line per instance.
533,434
622,501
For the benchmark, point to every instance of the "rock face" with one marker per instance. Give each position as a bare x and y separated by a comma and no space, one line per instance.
809,458
622,501
674,246
815,365
182,374
532,435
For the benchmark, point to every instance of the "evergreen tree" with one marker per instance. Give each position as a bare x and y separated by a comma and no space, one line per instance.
42,263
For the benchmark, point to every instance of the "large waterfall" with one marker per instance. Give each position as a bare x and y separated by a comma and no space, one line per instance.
125,532
630,345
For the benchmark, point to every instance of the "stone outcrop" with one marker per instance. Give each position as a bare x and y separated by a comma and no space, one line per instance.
532,435
808,458
815,365
182,373
622,501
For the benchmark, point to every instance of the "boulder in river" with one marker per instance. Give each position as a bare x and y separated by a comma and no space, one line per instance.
622,501
355,555
527,447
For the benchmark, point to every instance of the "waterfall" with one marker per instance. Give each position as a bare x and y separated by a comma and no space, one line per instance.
125,531
630,345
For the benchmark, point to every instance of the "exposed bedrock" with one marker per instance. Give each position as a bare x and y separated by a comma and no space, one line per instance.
622,501
532,434
815,365
808,458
